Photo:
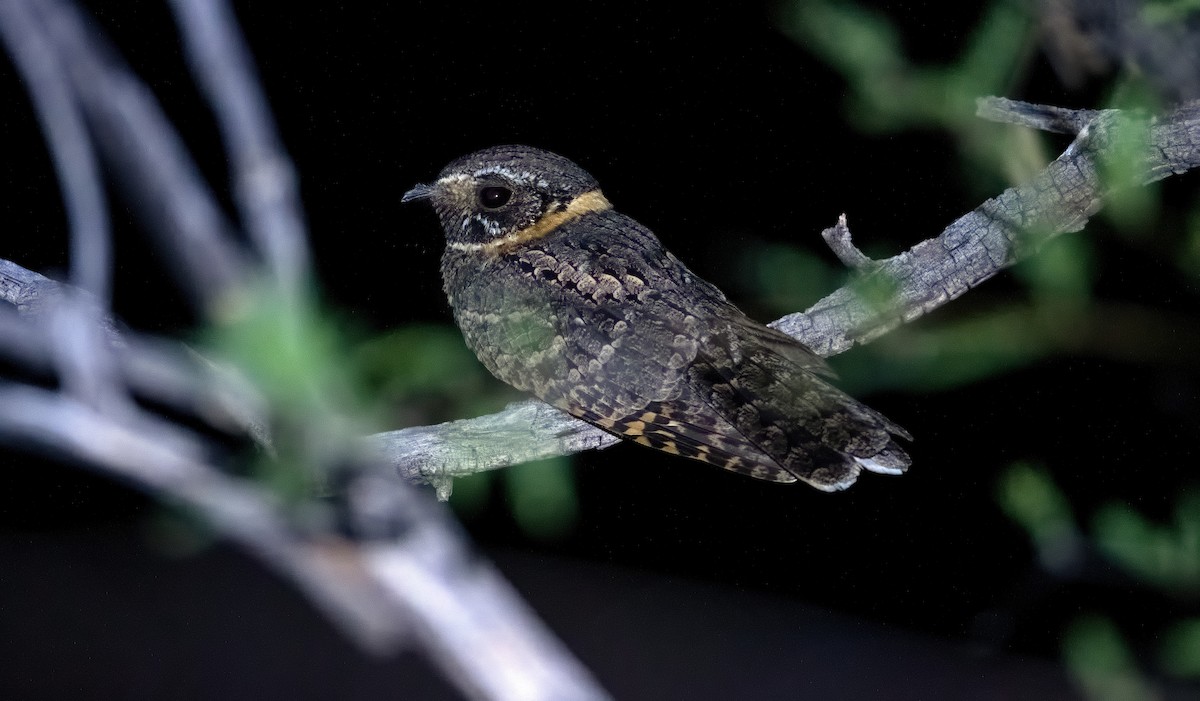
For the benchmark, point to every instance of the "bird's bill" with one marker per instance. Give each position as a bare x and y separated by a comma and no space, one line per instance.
419,192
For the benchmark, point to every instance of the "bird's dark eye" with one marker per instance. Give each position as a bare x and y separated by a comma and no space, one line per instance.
493,197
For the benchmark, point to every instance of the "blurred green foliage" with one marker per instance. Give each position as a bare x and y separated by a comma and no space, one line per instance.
542,498
425,373
890,93
876,292
1062,273
1098,658
1029,496
1130,208
1166,556
293,351
785,278
290,347
1188,257
1168,11
472,494
1181,649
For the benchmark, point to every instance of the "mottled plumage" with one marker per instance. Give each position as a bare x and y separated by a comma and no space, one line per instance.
560,295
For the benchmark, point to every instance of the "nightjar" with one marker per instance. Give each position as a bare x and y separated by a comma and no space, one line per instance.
560,295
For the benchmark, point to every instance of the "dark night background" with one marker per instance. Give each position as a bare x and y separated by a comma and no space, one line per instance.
674,580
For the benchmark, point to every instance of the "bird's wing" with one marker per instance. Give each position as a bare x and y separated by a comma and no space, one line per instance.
654,353
684,425
767,390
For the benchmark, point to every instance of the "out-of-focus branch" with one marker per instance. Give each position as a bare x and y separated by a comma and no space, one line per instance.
160,458
84,361
159,371
381,559
263,177
461,611
1157,42
410,579
70,147
152,163
972,249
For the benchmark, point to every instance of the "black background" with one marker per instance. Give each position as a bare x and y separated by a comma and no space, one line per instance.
709,125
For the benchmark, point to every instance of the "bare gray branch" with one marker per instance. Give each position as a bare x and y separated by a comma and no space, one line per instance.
999,232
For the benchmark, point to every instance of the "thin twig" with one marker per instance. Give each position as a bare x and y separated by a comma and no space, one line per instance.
1041,117
837,237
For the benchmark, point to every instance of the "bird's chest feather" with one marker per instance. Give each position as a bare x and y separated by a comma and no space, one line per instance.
509,314
557,311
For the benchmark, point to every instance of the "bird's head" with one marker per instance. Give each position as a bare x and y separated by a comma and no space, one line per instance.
506,195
